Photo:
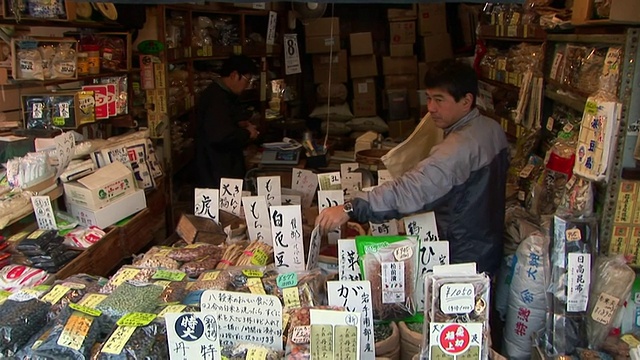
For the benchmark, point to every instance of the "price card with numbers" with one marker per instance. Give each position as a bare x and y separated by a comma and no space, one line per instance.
291,55
257,218
44,212
270,188
207,203
193,336
305,182
231,195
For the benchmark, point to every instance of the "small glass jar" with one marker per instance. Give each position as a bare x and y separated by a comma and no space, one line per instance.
93,58
83,64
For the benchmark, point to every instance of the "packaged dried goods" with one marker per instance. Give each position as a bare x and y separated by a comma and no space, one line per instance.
195,251
157,258
310,288
139,344
127,273
15,277
174,291
18,321
71,290
194,268
126,298
300,349
242,351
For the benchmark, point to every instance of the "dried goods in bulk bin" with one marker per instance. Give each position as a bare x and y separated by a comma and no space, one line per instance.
194,268
126,298
18,321
390,264
301,317
194,252
156,257
142,343
127,273
175,291
78,286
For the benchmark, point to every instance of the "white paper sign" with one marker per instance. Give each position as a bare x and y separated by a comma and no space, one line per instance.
291,55
286,230
457,298
455,339
351,183
579,271
256,215
231,195
329,198
271,28
291,200
422,225
305,182
206,203
346,168
432,253
44,212
65,143
355,296
384,176
393,282
193,336
314,248
269,187
387,228
335,319
243,317
329,181
348,267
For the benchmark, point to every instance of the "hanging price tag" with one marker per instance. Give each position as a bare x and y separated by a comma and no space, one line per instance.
257,354
171,309
253,273
118,340
86,310
211,275
259,257
287,280
136,319
171,275
92,300
573,235
255,286
56,294
291,298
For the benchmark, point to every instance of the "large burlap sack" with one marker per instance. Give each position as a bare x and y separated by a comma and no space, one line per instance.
410,342
389,348
338,93
414,149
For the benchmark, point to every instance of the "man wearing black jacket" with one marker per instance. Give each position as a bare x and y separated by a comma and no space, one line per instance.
221,132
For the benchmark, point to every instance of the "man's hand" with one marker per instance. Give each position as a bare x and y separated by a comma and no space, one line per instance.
253,131
331,218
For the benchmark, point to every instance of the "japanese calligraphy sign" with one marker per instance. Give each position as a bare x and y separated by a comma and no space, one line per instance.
422,225
44,212
387,228
384,176
65,143
314,248
351,183
326,199
579,271
348,267
193,335
257,217
271,28
432,253
305,182
251,318
206,203
231,195
330,181
346,168
291,199
334,335
355,296
269,187
462,341
286,230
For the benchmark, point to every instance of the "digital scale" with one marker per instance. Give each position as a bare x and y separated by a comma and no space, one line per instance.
280,157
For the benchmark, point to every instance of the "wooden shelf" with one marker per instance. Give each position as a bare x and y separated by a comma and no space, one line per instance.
500,84
520,33
53,194
28,22
576,103
513,130
11,81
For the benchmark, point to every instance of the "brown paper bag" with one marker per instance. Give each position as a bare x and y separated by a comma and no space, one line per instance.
414,149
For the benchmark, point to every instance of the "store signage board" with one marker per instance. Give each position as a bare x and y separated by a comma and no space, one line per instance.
306,183
286,230
326,199
456,341
348,265
291,55
194,335
334,334
271,28
256,215
65,143
207,203
291,199
355,296
386,228
270,188
330,181
231,195
44,212
243,317
314,248
423,226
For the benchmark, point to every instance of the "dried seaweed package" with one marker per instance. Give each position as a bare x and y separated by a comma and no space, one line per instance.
126,298
611,287
18,321
37,113
136,340
72,335
63,111
390,264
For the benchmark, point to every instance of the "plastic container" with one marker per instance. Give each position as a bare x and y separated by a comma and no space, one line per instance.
83,63
93,58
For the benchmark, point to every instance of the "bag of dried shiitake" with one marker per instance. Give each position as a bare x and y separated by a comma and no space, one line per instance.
390,264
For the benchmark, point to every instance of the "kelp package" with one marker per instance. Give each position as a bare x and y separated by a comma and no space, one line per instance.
390,264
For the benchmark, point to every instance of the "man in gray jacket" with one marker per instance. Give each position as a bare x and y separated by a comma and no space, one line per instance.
462,180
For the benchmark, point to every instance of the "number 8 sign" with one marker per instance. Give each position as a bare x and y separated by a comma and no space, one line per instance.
291,55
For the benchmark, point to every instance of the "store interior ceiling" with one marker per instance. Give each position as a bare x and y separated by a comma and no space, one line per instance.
321,1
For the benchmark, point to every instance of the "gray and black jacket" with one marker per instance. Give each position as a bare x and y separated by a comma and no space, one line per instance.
463,181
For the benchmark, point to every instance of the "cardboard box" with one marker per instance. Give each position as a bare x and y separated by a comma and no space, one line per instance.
364,88
622,12
423,67
364,107
322,44
361,44
402,14
398,50
399,65
408,82
322,27
192,229
432,19
112,213
10,97
469,15
363,66
402,32
397,101
101,188
436,47
401,128
339,65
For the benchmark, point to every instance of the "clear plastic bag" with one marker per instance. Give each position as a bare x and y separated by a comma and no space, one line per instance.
127,273
310,287
79,285
142,344
18,321
300,317
126,298
195,251
241,352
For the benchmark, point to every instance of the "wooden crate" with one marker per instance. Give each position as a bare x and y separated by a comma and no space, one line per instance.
622,12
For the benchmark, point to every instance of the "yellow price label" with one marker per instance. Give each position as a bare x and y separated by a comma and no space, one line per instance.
257,354
124,275
163,283
36,234
171,275
210,275
591,108
252,273
291,297
285,321
4,294
259,258
92,300
171,309
255,286
56,294
75,331
118,340
136,319
85,309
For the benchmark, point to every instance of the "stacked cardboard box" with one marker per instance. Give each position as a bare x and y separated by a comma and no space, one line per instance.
364,69
432,25
322,36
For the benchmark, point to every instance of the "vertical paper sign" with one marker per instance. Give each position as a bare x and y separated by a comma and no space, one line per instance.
271,28
269,187
291,55
314,248
387,228
286,230
206,203
230,195
291,199
455,341
423,226
65,143
257,218
346,168
193,336
334,335
355,296
351,183
330,181
348,267
326,199
384,176
432,253
305,182
245,318
44,212
579,268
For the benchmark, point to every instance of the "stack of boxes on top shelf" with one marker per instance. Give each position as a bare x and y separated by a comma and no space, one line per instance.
364,69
